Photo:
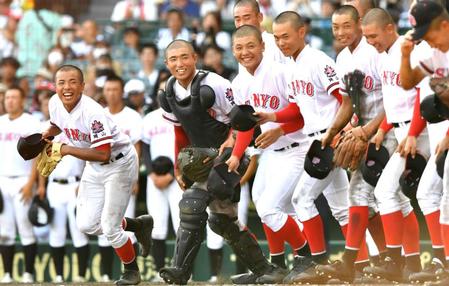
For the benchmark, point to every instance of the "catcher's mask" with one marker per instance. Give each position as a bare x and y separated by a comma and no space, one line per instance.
29,147
440,163
318,162
409,180
242,117
433,110
374,164
40,212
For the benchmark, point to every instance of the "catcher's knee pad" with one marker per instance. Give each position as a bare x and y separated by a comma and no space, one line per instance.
224,226
192,209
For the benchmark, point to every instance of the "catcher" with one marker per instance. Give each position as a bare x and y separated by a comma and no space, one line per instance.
110,172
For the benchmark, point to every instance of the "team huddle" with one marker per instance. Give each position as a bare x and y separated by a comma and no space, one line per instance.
357,130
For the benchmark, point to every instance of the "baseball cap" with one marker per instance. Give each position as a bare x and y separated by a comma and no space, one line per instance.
242,117
421,16
409,180
134,86
375,162
318,162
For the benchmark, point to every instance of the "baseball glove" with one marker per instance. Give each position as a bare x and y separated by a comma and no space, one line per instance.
46,163
195,163
351,148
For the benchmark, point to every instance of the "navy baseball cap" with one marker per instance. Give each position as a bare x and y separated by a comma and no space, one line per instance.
242,117
318,162
421,16
409,180
375,162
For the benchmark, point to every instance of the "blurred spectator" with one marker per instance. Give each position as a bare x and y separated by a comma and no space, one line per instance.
5,12
104,66
175,29
127,53
188,7
55,58
314,41
66,37
36,34
135,96
42,76
328,7
42,94
144,10
149,74
212,32
307,8
213,61
8,74
2,98
8,46
87,35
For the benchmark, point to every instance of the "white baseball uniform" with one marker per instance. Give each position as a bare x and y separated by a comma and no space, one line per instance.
14,174
130,123
398,104
314,79
436,64
61,188
159,134
105,188
266,91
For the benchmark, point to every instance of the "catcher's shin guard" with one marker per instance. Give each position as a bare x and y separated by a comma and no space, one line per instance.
241,241
190,234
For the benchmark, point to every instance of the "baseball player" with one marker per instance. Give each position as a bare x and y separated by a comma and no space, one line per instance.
430,23
17,178
163,192
110,172
61,193
357,55
315,89
263,85
247,12
203,125
394,207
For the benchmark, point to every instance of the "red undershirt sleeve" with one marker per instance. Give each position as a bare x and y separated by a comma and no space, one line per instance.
289,113
242,142
418,123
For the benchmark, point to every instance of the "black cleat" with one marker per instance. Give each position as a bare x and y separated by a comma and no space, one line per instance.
173,275
442,278
144,234
273,275
129,277
300,264
388,270
337,270
244,278
309,276
429,273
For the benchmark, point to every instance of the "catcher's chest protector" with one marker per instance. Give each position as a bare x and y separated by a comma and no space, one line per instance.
202,129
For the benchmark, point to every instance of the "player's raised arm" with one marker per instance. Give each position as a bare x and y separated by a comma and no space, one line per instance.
410,77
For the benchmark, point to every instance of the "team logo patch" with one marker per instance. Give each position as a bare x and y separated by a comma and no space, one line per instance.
412,20
97,127
330,72
229,95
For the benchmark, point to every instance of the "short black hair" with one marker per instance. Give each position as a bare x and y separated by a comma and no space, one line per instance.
10,61
131,29
149,45
162,165
71,68
292,17
115,78
17,87
253,3
348,10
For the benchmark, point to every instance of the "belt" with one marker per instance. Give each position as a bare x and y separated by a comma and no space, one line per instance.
317,133
118,157
293,145
400,124
66,181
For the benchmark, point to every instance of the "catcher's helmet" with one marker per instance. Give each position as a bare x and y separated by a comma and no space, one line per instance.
318,162
221,183
29,147
242,117
374,164
409,180
433,110
440,163
40,212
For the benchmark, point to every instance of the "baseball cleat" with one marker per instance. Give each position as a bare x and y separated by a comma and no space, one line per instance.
173,275
7,278
388,270
337,270
442,278
309,276
27,278
144,234
429,273
244,278
300,264
274,275
129,277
